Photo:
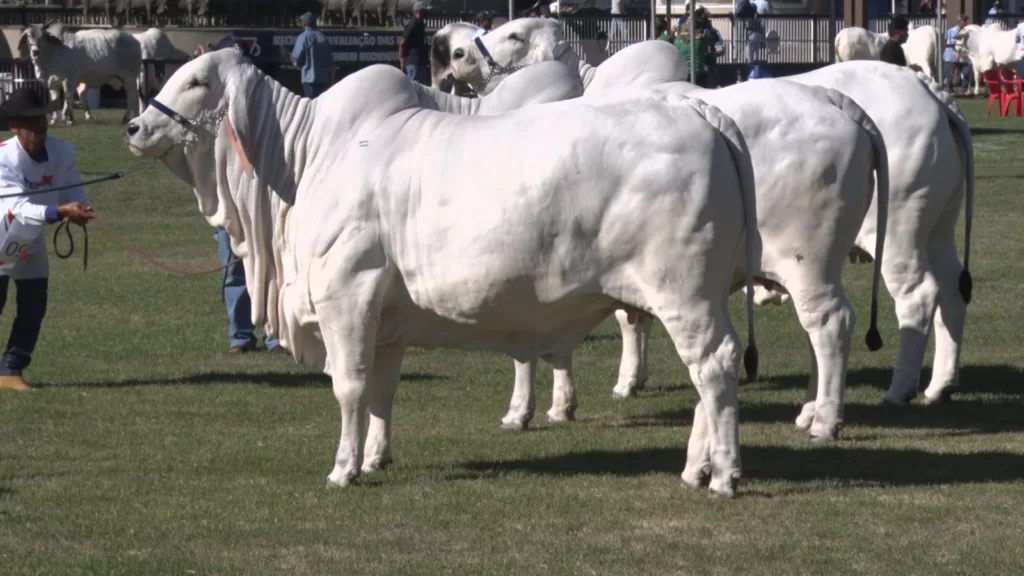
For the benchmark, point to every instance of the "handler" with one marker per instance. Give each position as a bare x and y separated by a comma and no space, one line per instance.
31,162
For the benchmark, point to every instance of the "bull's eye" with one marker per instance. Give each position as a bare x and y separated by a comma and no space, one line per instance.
458,54
197,83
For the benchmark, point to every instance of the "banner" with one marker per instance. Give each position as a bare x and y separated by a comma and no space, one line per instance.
347,46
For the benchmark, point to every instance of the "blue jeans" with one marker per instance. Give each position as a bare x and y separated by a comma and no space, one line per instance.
966,75
313,90
31,309
419,74
236,298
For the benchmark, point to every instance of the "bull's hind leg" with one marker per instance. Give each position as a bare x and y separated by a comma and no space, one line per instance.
710,348
387,369
949,320
914,288
827,317
524,397
81,89
563,393
806,417
636,330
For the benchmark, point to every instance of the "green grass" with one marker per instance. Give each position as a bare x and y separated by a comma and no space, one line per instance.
146,449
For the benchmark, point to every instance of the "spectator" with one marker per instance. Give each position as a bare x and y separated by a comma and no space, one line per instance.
716,46
312,55
241,334
954,64
993,11
927,8
412,49
700,45
892,51
485,20
617,32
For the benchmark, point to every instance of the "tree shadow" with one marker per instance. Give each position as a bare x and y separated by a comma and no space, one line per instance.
850,467
981,131
963,417
271,379
999,379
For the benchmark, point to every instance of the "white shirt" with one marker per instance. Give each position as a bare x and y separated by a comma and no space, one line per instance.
616,6
20,173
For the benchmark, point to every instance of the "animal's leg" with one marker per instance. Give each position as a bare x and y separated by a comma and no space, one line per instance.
827,317
55,96
67,110
563,394
710,348
646,322
949,320
698,452
524,397
915,290
350,352
80,90
387,369
630,365
806,417
131,92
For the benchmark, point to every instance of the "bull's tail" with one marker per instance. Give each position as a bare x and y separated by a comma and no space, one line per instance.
741,158
873,339
958,122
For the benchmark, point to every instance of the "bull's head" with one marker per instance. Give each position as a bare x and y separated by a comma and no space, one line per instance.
182,124
514,45
443,45
37,41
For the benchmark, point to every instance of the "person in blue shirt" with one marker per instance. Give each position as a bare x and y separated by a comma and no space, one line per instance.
312,55
950,59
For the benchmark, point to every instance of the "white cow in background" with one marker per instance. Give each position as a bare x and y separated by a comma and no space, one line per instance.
921,48
157,46
821,165
989,47
550,249
91,57
931,167
541,39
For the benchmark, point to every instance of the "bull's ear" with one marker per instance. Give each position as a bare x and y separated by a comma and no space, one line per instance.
53,40
243,160
23,43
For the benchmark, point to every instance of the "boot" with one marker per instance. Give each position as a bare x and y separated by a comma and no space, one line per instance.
13,382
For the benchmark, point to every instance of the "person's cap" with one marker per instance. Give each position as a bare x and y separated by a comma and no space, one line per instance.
900,22
306,18
419,6
26,102
964,17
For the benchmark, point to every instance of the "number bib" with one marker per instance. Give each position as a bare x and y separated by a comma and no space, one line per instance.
17,242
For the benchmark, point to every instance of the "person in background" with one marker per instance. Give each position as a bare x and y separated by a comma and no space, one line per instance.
312,55
412,48
617,34
954,64
927,8
30,162
892,51
485,20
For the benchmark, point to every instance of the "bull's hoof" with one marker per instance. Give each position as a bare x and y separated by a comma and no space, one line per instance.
725,488
515,425
339,479
568,415
641,385
944,397
377,464
825,436
805,419
697,477
620,395
897,400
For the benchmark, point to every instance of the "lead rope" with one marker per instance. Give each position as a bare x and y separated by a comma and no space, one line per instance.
65,226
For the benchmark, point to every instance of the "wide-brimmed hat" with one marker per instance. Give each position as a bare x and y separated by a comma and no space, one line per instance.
26,102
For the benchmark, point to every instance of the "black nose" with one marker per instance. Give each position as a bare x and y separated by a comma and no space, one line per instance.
132,128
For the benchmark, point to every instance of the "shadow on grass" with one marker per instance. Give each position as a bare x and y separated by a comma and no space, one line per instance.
272,379
998,379
967,417
982,131
845,466
602,337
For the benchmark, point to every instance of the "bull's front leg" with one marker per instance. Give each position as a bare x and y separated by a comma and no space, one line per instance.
636,329
524,397
563,394
131,92
66,85
55,95
387,370
81,90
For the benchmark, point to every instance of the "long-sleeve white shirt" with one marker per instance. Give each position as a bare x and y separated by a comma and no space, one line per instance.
20,173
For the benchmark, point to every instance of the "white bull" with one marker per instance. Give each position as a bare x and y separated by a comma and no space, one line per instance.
989,47
157,46
921,48
930,159
392,260
91,57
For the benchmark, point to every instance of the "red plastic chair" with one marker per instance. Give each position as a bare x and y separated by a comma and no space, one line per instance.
1013,84
995,92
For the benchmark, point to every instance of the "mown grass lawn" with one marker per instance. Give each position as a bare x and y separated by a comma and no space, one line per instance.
146,449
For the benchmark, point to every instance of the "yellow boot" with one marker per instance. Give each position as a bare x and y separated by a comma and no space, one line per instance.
13,382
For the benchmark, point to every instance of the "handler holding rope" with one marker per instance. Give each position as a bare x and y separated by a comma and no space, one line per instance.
31,162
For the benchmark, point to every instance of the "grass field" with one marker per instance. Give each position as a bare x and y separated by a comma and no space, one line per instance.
146,449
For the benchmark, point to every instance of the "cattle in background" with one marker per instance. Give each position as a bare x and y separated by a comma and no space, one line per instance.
989,47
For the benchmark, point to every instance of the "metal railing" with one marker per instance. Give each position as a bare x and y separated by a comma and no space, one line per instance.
777,39
15,74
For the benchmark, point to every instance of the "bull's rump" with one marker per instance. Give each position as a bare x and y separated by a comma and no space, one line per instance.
501,220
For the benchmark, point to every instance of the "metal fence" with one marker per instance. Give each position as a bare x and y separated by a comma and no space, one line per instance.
15,74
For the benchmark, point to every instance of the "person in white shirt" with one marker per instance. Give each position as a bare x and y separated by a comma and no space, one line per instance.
30,162
617,30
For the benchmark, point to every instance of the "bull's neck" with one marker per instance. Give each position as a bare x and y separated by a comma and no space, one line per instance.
442,101
275,138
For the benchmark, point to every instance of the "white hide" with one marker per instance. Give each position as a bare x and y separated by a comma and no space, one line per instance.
989,47
89,57
921,48
392,243
931,158
156,45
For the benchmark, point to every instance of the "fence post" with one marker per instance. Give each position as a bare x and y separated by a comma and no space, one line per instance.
654,20
832,31
814,38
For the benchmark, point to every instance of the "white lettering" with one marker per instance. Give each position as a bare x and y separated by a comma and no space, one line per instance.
378,56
